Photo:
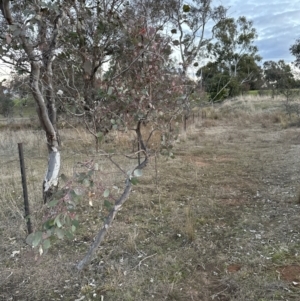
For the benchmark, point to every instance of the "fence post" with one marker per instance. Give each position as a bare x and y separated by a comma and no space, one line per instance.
24,184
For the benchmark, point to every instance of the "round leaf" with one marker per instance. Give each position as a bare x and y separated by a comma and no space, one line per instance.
60,233
52,203
138,173
46,244
106,193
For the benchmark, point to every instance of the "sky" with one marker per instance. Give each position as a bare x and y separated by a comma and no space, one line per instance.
277,23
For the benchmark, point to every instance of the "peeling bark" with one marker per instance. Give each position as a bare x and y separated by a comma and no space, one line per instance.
50,184
46,113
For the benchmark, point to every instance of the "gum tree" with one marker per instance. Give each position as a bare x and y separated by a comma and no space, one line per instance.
231,51
41,37
30,36
107,62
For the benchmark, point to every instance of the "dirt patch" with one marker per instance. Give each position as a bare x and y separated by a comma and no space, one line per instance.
233,268
290,273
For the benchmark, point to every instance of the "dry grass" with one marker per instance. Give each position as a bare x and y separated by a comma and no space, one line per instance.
220,221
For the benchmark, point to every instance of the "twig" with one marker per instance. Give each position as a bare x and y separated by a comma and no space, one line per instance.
217,294
139,264
8,276
117,165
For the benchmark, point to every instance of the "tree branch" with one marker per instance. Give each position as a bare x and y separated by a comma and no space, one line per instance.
4,6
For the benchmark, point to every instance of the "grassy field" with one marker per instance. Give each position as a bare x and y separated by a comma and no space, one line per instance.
221,221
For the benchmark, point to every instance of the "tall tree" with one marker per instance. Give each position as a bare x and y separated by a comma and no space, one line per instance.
191,34
32,34
235,55
219,83
234,39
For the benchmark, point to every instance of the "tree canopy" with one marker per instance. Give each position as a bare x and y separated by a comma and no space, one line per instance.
233,59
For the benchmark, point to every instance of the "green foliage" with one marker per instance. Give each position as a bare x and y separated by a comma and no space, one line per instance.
108,205
279,75
134,181
6,105
62,219
186,8
295,51
233,68
34,239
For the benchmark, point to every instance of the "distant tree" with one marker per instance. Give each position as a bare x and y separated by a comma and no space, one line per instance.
249,73
280,79
218,82
295,51
191,33
234,39
6,102
18,86
213,81
234,56
278,76
190,28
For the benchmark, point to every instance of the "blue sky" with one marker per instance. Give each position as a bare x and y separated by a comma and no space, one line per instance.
277,24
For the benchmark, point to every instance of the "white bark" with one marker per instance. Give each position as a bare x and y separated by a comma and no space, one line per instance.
51,177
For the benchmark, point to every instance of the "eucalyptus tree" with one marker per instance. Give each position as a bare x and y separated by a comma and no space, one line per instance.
63,45
31,34
235,55
219,83
233,40
107,61
192,31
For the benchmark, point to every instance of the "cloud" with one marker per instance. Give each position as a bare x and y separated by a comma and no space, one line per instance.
277,24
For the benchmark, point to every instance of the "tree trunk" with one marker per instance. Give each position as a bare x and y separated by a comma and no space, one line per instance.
37,61
50,183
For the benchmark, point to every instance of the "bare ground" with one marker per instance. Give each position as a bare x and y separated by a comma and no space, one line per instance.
221,221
